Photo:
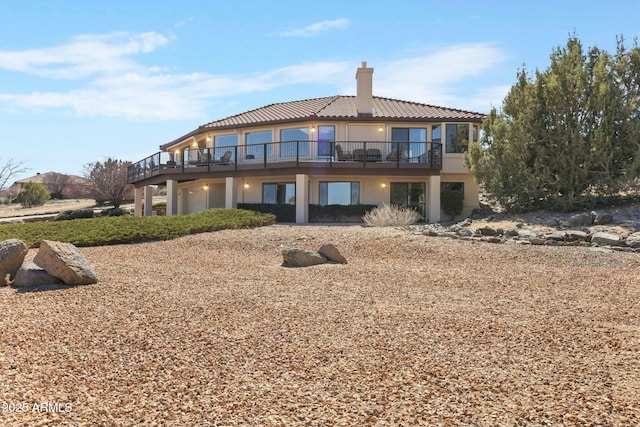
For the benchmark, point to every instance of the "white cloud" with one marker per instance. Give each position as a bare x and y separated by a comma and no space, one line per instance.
110,82
84,56
317,28
440,77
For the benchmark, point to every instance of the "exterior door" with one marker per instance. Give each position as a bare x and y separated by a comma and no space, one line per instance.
410,194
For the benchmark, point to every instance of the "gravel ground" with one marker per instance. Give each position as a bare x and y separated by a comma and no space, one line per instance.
210,330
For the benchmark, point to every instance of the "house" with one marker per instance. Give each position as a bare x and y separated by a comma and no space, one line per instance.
59,185
337,150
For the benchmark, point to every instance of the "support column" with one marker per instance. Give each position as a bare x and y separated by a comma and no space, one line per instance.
230,194
148,200
434,198
302,199
138,197
172,197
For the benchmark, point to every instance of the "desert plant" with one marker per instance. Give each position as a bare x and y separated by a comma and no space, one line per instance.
390,216
33,194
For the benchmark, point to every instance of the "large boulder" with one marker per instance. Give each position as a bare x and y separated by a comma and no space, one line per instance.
607,239
12,253
32,275
332,253
294,257
66,262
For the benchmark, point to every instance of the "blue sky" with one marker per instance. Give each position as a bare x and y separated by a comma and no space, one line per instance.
81,81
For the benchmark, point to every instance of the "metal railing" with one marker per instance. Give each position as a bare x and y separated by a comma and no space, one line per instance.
272,154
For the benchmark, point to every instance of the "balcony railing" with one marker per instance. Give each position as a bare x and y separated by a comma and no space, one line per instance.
290,153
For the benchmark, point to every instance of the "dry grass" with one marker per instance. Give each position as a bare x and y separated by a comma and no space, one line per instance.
210,330
390,215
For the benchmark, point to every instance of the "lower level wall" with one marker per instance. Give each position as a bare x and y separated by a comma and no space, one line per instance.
373,190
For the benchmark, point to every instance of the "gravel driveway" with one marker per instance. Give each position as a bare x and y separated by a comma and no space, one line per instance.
210,330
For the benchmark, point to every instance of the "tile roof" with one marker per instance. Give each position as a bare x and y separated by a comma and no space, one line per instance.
336,108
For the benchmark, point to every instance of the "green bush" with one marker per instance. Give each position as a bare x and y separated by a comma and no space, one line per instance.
33,194
452,202
131,229
282,212
114,212
338,213
74,214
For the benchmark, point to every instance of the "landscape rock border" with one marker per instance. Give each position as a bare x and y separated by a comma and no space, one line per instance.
568,237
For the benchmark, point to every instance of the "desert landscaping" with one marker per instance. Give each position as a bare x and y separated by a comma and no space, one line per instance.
211,329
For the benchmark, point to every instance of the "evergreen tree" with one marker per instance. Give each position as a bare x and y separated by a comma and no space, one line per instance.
566,136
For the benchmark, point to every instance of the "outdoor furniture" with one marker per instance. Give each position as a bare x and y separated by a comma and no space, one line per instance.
373,155
342,156
225,159
359,155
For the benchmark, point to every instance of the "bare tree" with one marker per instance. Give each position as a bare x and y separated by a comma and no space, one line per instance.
108,181
9,170
57,184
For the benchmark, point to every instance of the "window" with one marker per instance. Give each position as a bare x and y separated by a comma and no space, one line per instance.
278,193
436,133
415,144
457,138
339,193
475,133
288,142
224,143
326,136
257,140
226,140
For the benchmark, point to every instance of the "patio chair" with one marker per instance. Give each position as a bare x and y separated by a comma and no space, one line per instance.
225,159
342,156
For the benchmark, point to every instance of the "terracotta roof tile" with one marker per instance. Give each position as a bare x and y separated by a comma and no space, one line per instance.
334,107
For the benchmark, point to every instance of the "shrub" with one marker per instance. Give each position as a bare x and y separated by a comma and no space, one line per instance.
282,212
114,212
452,202
33,194
391,216
338,213
132,229
74,214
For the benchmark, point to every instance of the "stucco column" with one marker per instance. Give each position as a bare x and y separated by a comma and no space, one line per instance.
230,193
172,197
148,200
138,197
302,198
434,198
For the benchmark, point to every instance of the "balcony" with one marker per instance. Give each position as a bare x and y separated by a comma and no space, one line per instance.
331,157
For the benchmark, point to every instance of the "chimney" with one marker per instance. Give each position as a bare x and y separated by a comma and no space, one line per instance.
364,95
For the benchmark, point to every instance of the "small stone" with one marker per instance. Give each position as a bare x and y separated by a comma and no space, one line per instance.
607,239
576,235
331,252
633,240
603,219
294,257
487,231
527,234
582,219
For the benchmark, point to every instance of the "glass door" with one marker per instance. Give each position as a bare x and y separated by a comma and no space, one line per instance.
409,194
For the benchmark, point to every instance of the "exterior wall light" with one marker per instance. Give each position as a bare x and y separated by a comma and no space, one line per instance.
383,185
246,186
